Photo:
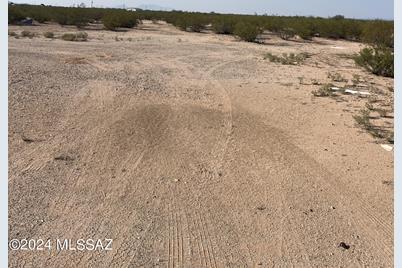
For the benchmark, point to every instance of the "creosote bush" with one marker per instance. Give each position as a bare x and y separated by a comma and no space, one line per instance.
223,26
248,26
122,19
287,33
48,35
12,33
77,37
378,60
27,34
247,31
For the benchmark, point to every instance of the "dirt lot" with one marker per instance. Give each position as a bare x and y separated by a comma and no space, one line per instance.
192,150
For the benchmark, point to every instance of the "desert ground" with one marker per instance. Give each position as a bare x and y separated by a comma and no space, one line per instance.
192,150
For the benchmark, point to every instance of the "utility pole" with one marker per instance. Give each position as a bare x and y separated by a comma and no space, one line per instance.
92,3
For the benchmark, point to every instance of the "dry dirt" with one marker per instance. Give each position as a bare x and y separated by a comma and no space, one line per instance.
192,150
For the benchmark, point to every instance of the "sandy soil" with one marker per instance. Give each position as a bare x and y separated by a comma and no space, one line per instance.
192,150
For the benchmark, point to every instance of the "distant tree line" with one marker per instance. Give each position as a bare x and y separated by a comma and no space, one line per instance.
378,34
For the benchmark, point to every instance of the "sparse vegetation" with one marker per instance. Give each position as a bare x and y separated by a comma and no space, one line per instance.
356,79
12,33
246,27
288,59
247,31
336,77
48,35
77,37
378,57
363,120
117,20
378,60
223,26
287,33
27,34
324,91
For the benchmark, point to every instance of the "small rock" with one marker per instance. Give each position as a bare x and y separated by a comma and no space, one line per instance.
332,207
344,245
27,140
64,158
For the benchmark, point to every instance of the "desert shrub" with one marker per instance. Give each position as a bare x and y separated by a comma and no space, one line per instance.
273,24
371,32
191,22
48,34
246,31
116,20
288,59
223,26
304,29
197,24
363,121
78,18
15,15
287,33
324,91
27,34
78,37
379,33
12,33
336,77
181,23
60,18
378,60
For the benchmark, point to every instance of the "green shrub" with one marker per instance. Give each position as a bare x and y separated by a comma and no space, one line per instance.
324,91
287,33
378,60
223,26
247,31
116,20
336,77
379,33
192,23
27,34
288,59
48,35
305,30
78,37
15,15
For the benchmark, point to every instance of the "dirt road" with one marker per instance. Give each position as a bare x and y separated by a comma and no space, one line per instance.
191,150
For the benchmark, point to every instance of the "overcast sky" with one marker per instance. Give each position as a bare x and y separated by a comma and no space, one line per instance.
383,9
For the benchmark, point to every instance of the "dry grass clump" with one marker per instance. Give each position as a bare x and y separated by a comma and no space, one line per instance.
48,35
288,59
12,33
324,91
27,34
363,121
76,60
336,77
76,37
